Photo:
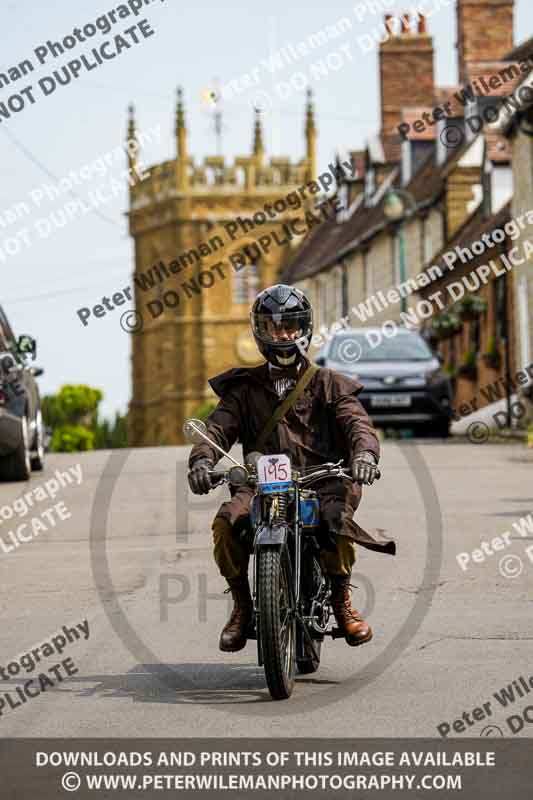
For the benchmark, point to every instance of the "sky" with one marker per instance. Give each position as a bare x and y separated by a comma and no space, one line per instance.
61,151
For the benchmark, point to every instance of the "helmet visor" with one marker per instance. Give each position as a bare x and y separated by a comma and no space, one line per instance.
281,328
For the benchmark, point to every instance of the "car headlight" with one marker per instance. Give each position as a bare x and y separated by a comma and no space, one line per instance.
415,381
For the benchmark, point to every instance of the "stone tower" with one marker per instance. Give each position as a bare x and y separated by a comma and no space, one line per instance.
208,236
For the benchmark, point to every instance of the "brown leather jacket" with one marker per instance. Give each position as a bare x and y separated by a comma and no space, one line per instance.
327,423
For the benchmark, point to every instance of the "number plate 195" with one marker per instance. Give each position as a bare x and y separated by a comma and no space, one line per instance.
274,469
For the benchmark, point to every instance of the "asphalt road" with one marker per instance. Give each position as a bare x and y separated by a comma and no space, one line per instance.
135,562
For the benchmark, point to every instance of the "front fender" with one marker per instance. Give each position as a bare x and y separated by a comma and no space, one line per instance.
267,535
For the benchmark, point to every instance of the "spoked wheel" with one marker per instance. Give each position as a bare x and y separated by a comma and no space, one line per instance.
277,625
308,655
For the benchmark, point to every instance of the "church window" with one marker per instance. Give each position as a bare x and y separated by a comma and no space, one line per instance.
246,284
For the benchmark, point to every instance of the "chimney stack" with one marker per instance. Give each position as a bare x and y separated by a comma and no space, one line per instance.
406,69
484,32
389,24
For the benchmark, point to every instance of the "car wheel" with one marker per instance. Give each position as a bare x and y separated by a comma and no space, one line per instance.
37,457
16,466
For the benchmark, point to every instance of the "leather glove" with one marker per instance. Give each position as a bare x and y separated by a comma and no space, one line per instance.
364,468
199,478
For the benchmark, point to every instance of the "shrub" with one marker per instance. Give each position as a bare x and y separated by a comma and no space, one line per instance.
73,416
72,439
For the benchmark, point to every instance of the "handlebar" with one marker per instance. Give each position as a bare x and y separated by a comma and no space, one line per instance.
218,475
314,474
336,472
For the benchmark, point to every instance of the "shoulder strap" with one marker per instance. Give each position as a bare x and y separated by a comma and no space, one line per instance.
286,405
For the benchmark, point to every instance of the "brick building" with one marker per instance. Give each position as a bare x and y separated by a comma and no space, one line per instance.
478,339
456,176
518,127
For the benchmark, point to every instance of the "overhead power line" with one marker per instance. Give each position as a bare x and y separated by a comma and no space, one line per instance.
37,163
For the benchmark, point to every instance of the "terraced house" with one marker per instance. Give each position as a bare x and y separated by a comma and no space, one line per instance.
518,128
437,177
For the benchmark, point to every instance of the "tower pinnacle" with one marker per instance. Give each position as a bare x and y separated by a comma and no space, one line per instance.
310,135
181,141
258,146
132,144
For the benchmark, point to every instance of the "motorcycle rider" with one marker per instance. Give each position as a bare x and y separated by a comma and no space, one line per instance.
326,423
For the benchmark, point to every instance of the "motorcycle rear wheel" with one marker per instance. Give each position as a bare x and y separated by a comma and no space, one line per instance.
310,662
307,659
277,625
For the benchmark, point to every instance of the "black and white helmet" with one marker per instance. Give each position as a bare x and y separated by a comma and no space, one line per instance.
282,324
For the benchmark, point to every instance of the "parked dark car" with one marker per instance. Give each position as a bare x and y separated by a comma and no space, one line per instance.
22,434
404,383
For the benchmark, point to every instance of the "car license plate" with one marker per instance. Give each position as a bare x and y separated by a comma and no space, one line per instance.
387,400
274,469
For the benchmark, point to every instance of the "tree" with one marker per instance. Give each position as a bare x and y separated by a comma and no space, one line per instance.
73,415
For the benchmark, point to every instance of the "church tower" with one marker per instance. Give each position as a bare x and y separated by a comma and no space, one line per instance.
208,236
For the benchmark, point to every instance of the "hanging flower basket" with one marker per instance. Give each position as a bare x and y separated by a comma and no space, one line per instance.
445,326
470,307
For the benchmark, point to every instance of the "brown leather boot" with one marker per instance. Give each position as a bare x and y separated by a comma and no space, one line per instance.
356,630
233,636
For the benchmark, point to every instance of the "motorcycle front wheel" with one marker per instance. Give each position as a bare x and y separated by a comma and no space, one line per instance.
277,625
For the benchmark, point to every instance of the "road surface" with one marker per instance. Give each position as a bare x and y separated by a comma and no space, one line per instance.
134,561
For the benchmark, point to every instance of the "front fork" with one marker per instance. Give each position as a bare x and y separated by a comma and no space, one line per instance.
295,567
293,602
268,537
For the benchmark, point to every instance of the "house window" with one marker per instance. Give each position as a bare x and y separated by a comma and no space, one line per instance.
246,284
488,108
342,195
370,186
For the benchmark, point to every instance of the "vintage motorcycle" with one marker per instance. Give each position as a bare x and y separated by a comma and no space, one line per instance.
291,594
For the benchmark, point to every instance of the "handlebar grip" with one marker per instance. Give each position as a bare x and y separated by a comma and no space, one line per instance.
217,475
349,475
